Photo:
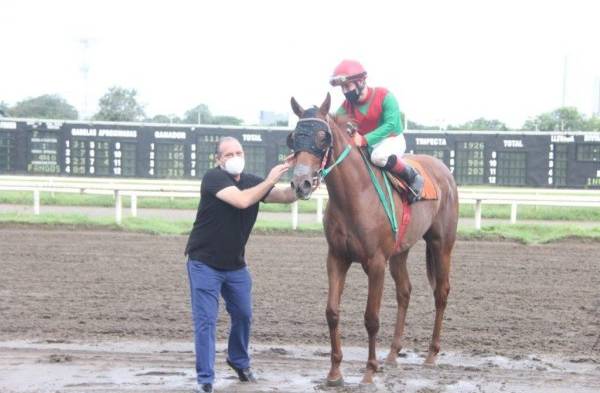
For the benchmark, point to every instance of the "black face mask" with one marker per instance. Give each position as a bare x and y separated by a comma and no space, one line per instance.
352,96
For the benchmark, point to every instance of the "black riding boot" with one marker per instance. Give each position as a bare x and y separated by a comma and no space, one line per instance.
415,183
407,173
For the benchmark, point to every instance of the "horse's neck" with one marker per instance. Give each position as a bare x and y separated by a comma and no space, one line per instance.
346,181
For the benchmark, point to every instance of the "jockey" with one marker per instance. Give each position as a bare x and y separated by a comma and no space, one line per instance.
376,113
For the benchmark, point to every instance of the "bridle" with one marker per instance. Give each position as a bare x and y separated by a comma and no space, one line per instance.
303,138
306,129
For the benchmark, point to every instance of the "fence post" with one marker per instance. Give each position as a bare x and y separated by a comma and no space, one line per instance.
133,204
36,202
319,209
118,207
513,213
478,214
295,215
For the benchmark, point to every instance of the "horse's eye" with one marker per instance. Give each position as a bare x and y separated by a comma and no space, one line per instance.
322,139
290,141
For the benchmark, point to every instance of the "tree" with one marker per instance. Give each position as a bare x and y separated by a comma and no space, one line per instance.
592,124
200,114
481,124
227,120
160,119
561,119
4,109
411,125
48,106
119,104
416,126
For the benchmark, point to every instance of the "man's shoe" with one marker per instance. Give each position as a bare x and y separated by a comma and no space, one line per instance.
204,388
244,374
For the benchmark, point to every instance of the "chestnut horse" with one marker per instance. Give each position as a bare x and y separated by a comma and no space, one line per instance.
358,230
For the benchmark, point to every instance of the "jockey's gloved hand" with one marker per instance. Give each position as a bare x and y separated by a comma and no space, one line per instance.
359,140
351,127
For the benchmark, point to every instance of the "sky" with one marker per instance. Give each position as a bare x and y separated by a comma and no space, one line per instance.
447,62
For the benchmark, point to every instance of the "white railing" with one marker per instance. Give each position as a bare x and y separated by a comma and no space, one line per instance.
557,198
135,188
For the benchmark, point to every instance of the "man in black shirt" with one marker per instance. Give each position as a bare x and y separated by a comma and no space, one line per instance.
216,263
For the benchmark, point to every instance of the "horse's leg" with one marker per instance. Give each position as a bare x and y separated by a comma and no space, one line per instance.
438,272
399,273
376,273
336,272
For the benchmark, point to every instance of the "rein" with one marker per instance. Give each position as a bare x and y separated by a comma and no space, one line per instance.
325,171
388,207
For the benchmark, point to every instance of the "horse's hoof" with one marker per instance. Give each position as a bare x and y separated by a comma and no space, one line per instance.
367,387
390,364
390,361
334,383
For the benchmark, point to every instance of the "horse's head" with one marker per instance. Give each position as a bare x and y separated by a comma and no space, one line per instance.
311,142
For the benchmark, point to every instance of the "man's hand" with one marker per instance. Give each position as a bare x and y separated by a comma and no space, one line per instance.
277,172
359,140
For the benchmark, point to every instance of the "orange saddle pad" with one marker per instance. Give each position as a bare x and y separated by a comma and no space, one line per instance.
429,191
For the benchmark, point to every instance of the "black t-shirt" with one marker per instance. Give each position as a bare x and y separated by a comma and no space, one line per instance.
221,230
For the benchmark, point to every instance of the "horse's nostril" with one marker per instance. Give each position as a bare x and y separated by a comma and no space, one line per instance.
306,184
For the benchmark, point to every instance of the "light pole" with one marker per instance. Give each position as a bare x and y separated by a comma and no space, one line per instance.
85,71
564,84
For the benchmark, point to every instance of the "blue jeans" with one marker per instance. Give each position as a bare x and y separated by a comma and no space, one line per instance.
206,283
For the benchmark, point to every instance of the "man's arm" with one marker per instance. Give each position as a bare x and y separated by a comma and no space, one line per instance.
248,197
281,195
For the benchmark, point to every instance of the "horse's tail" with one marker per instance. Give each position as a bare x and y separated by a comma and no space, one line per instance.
442,235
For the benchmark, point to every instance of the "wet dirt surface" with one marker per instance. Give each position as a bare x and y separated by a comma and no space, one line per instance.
100,311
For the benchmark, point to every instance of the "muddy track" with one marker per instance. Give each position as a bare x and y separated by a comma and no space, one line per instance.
506,299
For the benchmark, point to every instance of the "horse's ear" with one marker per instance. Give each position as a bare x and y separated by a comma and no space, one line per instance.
298,110
324,109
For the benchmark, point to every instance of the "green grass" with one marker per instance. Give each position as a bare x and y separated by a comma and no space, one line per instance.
528,212
528,234
531,234
70,199
524,212
135,224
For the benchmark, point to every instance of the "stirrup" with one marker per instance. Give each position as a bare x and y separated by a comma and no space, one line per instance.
412,194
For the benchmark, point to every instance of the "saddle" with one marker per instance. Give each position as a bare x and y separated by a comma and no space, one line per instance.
429,191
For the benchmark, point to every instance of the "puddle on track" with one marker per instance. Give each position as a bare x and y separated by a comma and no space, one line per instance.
145,366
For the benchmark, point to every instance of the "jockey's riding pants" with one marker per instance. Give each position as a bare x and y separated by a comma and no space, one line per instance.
392,145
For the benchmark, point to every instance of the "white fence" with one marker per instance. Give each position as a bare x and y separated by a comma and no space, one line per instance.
135,188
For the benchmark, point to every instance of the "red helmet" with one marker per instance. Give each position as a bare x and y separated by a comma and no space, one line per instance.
347,71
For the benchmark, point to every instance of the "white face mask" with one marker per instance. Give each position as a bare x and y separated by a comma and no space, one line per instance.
234,166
